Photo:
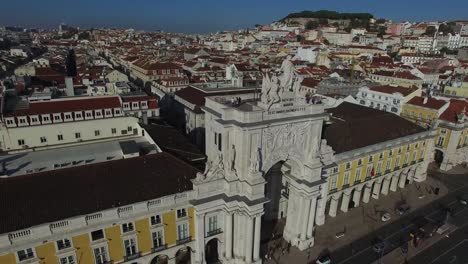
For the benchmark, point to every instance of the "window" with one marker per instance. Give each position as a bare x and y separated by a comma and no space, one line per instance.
371,158
406,159
420,117
357,177
346,178
34,119
88,115
22,121
59,137
369,171
100,255
113,131
57,118
67,260
391,152
117,111
379,167
97,133
182,231
399,150
129,128
130,247
67,116
98,114
359,163
108,113
212,223
158,240
63,244
123,132
43,140
155,219
387,167
333,183
21,142
440,141
413,158
77,135
9,122
127,227
335,170
219,141
45,118
77,115
348,165
96,235
381,156
25,254
397,162
181,213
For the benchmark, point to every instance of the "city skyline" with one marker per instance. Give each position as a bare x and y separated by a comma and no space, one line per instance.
209,16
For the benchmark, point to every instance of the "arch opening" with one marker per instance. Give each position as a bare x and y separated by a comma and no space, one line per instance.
211,251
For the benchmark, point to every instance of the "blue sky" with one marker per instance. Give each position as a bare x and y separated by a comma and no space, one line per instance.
209,15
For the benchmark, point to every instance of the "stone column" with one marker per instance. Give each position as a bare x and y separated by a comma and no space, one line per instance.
241,230
228,235
304,218
200,238
367,191
376,190
310,224
394,183
237,242
402,181
320,216
357,196
258,225
385,186
333,207
249,238
345,201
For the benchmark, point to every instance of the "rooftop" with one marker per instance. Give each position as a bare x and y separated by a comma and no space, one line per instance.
356,126
107,185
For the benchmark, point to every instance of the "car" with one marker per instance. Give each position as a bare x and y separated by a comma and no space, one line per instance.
463,199
385,216
402,209
378,247
323,260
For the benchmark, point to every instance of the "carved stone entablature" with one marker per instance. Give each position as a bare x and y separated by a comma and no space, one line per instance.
284,142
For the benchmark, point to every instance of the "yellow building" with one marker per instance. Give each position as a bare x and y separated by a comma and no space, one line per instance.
100,213
375,152
449,119
458,86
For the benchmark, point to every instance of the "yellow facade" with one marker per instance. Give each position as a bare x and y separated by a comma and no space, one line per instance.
115,244
8,259
83,248
170,228
396,152
47,252
144,236
419,115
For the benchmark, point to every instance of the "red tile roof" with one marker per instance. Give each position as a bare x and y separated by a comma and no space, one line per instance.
388,89
455,108
431,102
61,106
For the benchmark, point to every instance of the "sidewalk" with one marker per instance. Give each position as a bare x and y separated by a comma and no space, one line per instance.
361,221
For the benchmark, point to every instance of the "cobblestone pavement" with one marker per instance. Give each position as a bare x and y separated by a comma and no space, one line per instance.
356,223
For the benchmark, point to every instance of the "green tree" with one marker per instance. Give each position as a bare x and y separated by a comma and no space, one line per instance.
311,24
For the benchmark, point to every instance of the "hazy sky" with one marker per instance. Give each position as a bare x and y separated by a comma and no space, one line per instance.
209,15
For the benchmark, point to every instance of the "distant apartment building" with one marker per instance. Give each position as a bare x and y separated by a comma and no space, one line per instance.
399,78
387,97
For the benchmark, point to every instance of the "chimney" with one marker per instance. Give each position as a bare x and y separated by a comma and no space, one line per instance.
69,86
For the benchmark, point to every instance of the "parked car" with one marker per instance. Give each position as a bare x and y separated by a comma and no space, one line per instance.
323,260
463,199
403,208
385,216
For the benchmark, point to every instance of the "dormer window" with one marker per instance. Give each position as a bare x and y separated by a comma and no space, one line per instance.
108,113
57,118
88,115
10,122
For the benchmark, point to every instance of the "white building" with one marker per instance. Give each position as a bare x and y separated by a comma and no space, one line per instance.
308,54
387,98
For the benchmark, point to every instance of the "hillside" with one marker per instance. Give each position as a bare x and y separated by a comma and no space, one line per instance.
326,14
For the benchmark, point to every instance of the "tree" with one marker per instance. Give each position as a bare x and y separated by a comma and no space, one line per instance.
311,24
323,21
430,31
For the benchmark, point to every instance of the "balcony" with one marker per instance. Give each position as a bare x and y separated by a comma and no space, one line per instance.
184,240
421,159
378,174
405,165
158,249
334,190
397,167
213,232
132,257
387,171
413,162
285,194
345,186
